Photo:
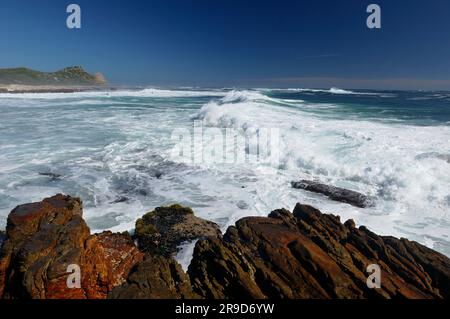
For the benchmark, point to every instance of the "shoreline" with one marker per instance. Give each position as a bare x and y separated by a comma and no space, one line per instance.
19,89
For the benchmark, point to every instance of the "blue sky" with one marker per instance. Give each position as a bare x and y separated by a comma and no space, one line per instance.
314,43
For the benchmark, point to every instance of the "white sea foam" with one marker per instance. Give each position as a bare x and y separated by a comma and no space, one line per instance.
374,158
332,90
118,160
148,92
341,91
184,255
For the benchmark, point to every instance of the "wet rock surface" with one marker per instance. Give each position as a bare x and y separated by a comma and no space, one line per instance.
164,229
336,193
308,254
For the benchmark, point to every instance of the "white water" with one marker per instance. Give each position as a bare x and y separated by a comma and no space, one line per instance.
109,145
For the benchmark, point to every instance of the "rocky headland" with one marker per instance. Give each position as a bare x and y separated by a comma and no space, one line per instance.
68,80
299,254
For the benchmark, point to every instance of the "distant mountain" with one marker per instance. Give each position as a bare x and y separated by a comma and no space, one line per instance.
70,76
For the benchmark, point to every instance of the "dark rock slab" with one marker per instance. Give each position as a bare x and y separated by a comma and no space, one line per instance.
308,254
336,193
164,229
52,176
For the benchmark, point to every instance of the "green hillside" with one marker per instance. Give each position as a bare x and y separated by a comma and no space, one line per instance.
74,75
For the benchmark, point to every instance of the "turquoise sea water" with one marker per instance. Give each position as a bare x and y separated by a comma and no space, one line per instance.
114,150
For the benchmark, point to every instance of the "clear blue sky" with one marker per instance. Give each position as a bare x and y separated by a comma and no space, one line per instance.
235,42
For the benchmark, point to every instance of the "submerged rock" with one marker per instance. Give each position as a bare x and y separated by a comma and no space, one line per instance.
121,199
44,238
444,157
164,229
336,193
441,156
52,176
308,254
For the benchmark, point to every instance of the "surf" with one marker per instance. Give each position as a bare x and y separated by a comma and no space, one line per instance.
114,150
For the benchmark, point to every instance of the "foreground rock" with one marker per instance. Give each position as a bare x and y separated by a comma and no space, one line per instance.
312,255
336,193
2,237
306,254
156,278
164,229
158,234
44,238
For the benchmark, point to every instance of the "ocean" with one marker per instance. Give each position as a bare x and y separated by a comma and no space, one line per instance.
114,149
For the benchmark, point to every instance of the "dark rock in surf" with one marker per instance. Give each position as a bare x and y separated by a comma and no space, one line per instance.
157,174
441,156
121,199
164,229
2,237
52,176
336,193
444,157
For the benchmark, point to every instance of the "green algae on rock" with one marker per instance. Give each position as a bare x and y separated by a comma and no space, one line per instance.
164,229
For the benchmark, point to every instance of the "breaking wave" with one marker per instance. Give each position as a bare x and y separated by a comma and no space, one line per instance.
378,159
113,150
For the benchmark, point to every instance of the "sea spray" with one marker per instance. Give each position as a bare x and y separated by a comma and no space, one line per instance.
114,150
